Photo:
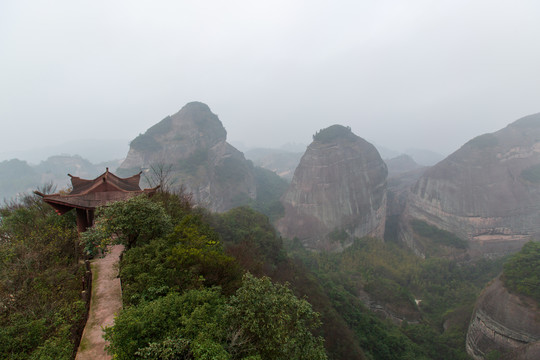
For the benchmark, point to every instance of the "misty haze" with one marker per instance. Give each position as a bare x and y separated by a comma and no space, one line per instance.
287,180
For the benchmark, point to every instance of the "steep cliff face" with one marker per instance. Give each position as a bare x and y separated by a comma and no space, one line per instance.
504,322
487,192
192,144
338,191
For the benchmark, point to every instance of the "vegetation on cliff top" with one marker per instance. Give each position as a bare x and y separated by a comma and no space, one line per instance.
522,271
333,133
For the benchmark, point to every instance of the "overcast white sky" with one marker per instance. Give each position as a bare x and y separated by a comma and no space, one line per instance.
416,73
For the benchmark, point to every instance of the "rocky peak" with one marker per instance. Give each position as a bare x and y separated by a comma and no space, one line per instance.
192,143
503,322
338,191
192,128
487,192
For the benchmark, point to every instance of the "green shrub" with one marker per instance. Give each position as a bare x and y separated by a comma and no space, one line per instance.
262,320
134,221
194,313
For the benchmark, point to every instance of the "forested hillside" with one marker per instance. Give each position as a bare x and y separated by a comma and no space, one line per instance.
225,286
41,311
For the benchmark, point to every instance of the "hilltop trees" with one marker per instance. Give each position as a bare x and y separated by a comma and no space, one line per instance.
133,221
262,320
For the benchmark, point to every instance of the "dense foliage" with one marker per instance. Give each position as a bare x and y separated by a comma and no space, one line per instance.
41,314
393,278
262,320
184,296
133,221
522,271
188,291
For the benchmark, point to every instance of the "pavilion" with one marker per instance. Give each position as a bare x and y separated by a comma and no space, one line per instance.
86,195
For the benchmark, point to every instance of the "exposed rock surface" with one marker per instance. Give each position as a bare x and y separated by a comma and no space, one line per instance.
338,191
527,352
487,192
504,322
193,143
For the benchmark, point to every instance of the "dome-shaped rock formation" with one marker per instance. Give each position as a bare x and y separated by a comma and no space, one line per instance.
192,144
487,192
505,323
338,192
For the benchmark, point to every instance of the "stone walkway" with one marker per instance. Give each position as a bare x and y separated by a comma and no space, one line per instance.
106,301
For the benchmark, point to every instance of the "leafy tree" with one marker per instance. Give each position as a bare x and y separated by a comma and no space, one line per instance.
189,257
245,226
193,316
268,320
137,220
262,321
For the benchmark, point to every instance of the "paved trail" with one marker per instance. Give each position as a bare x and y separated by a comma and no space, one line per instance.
106,301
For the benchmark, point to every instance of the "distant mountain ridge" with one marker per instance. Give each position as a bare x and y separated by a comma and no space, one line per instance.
18,177
487,192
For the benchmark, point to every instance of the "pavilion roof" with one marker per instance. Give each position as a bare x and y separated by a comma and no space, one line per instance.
89,194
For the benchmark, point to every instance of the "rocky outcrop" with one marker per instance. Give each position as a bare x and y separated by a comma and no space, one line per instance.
487,192
526,352
505,323
338,192
191,145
